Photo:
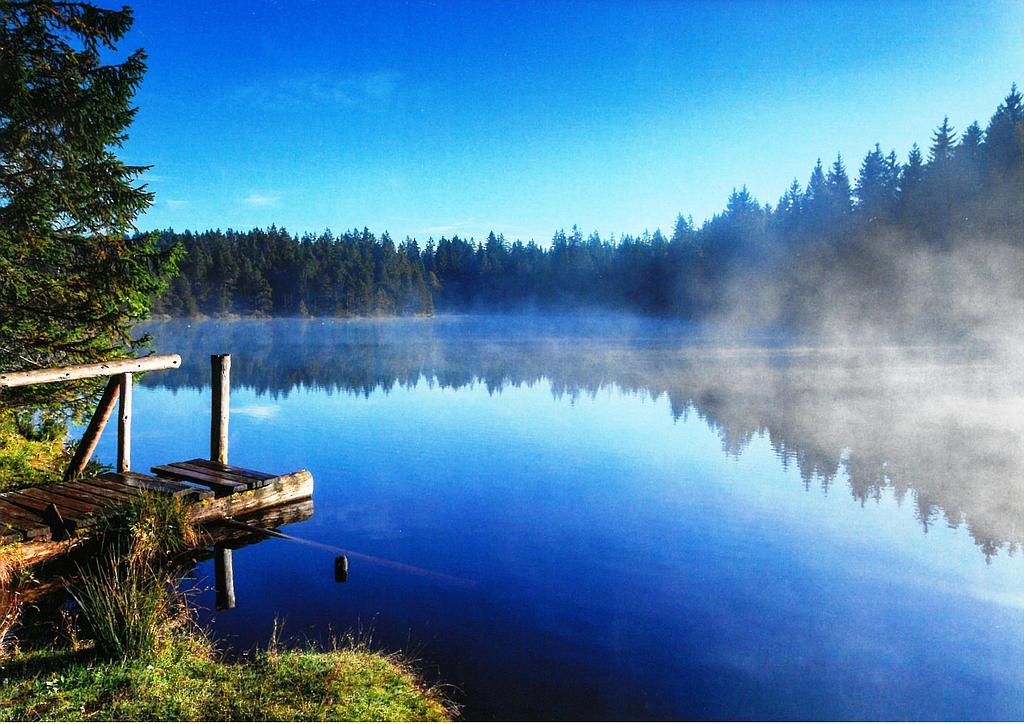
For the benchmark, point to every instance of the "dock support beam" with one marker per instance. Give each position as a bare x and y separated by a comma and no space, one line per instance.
221,386
92,434
124,424
224,578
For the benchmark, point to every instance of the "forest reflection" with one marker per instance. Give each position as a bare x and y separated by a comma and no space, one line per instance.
938,428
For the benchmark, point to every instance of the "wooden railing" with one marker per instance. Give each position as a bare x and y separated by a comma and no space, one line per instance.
119,388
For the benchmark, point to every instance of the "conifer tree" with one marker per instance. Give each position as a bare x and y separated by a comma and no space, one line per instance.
839,196
1004,143
943,144
72,282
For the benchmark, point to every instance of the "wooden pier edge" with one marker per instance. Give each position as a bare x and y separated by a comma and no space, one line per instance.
239,491
289,488
286,489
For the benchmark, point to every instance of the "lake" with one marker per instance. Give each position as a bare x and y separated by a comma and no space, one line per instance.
612,518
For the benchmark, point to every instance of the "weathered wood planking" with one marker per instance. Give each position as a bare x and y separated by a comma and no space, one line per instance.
40,519
224,479
147,483
285,489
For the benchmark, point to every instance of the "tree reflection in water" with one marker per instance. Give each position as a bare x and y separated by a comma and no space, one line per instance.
938,426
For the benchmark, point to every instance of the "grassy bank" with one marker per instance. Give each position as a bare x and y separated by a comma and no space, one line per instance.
187,682
132,652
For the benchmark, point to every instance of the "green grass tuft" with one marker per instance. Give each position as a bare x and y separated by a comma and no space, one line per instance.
126,593
126,604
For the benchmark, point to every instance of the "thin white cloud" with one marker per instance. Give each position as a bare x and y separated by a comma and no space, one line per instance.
452,228
260,412
374,90
175,203
261,199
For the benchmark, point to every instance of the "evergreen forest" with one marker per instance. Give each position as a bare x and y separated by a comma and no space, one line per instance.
843,237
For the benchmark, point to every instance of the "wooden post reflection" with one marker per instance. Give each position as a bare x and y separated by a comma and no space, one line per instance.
224,578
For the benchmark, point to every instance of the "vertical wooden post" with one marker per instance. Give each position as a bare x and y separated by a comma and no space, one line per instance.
221,386
87,445
124,424
224,578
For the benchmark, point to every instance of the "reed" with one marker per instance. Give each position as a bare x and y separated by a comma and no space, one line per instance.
126,594
126,603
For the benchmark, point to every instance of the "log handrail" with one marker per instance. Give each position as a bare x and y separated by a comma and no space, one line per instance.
118,390
98,369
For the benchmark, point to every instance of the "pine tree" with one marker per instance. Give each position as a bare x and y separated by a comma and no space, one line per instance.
877,184
969,149
943,144
840,200
1004,139
911,180
72,282
683,230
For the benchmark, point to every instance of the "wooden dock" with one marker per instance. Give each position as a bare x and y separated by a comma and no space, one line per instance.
45,521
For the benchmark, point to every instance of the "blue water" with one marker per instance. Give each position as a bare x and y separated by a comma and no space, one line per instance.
621,519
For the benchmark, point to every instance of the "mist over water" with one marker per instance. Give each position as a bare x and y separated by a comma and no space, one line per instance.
681,523
939,427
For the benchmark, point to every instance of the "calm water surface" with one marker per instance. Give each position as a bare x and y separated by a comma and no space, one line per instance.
626,519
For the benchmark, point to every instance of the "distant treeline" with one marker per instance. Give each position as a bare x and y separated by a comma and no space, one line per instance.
967,192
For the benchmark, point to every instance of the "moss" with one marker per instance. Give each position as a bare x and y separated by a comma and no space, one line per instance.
187,682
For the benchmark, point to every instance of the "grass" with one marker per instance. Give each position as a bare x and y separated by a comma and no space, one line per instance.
10,597
125,593
153,527
31,452
144,658
187,682
126,604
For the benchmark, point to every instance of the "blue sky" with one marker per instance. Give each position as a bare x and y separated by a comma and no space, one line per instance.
435,118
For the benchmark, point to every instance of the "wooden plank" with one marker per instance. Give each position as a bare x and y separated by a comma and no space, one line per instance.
81,372
220,485
120,496
28,524
114,486
221,468
105,498
42,508
14,532
62,501
229,476
124,424
10,510
220,387
177,488
189,493
87,445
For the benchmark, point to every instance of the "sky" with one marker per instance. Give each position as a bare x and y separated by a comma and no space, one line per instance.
439,118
